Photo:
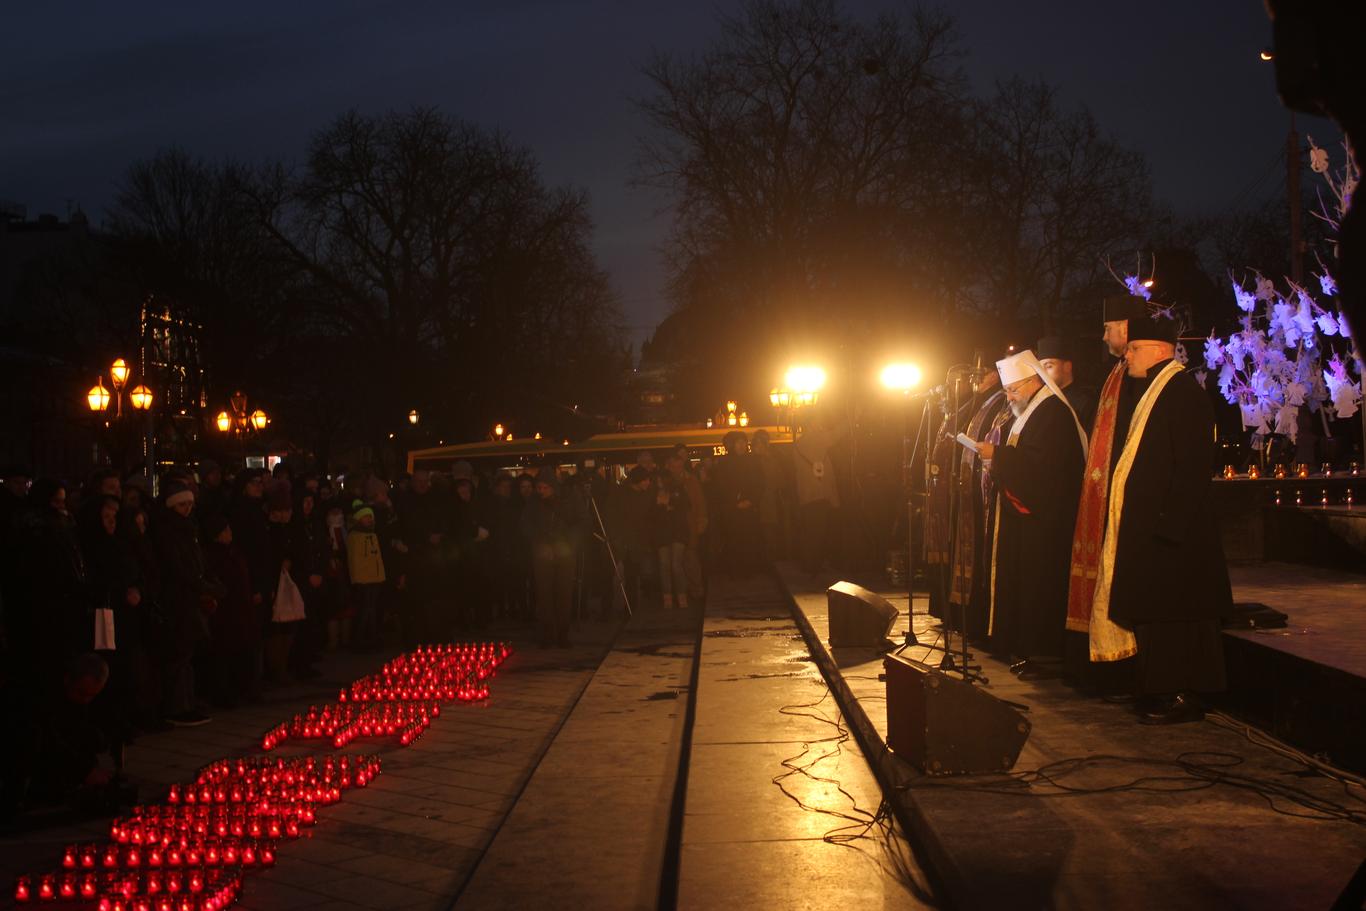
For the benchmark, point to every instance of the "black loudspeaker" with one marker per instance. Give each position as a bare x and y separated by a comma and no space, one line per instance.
858,617
946,726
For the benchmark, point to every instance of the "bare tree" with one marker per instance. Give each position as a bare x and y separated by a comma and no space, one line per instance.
786,149
1057,198
435,248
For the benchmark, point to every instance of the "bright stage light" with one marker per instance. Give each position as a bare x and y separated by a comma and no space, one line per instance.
805,379
901,376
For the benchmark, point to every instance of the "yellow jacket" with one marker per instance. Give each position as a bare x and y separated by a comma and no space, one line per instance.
363,557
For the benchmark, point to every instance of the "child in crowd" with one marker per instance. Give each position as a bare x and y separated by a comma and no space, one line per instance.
365,562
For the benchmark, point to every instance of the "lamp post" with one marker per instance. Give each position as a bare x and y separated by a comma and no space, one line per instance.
118,375
141,400
804,382
140,397
240,422
903,377
414,417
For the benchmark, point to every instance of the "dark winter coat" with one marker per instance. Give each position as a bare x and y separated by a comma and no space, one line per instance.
249,535
184,584
235,623
111,570
1169,562
51,615
1039,479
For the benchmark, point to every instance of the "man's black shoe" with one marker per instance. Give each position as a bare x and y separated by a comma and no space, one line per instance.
1180,709
189,719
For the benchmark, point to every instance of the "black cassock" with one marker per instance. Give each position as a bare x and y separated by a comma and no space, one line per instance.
1039,480
1170,583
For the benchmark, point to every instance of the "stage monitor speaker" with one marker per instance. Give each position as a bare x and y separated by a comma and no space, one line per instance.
859,617
947,726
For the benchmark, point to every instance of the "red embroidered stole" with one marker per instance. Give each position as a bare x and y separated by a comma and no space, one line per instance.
1089,535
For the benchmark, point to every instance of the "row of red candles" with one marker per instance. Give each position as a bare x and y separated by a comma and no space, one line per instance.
191,890
400,699
191,853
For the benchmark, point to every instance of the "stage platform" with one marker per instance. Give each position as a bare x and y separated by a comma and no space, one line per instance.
1174,842
1305,683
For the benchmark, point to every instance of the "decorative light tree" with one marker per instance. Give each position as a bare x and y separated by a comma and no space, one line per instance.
1292,351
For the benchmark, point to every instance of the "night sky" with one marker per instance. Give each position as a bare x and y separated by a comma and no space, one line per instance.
87,88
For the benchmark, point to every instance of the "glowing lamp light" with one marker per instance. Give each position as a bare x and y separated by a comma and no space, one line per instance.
805,378
902,377
730,407
141,397
744,419
1148,283
538,435
509,437
732,420
223,422
414,417
498,430
1266,54
566,442
118,372
98,397
709,423
259,419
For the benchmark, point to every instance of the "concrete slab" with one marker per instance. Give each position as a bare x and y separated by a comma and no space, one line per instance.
590,828
772,775
997,844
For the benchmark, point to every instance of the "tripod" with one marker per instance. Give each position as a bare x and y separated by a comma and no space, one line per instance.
600,533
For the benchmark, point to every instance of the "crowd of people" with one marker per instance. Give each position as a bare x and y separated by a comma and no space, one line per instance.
122,612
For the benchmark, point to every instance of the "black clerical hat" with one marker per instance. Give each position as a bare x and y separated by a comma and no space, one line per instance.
1056,347
1124,306
1153,328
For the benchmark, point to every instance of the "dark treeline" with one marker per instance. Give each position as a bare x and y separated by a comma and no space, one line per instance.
411,260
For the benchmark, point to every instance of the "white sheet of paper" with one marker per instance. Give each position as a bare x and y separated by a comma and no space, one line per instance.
966,441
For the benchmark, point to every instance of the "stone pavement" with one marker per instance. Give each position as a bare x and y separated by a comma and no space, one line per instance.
412,837
772,774
591,829
994,846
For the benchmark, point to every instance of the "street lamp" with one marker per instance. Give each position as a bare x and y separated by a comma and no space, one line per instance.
140,397
498,431
98,396
223,422
413,417
806,381
118,375
901,377
259,420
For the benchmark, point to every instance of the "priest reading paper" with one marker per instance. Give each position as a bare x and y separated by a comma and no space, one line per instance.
1162,582
1037,471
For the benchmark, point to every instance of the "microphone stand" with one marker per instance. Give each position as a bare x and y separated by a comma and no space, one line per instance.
970,672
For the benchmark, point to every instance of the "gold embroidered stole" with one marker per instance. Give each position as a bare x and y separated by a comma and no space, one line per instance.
1109,640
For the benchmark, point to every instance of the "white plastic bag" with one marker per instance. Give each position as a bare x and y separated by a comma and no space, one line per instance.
104,629
289,603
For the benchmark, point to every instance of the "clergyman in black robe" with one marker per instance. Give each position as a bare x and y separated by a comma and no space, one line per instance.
1038,473
1169,581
